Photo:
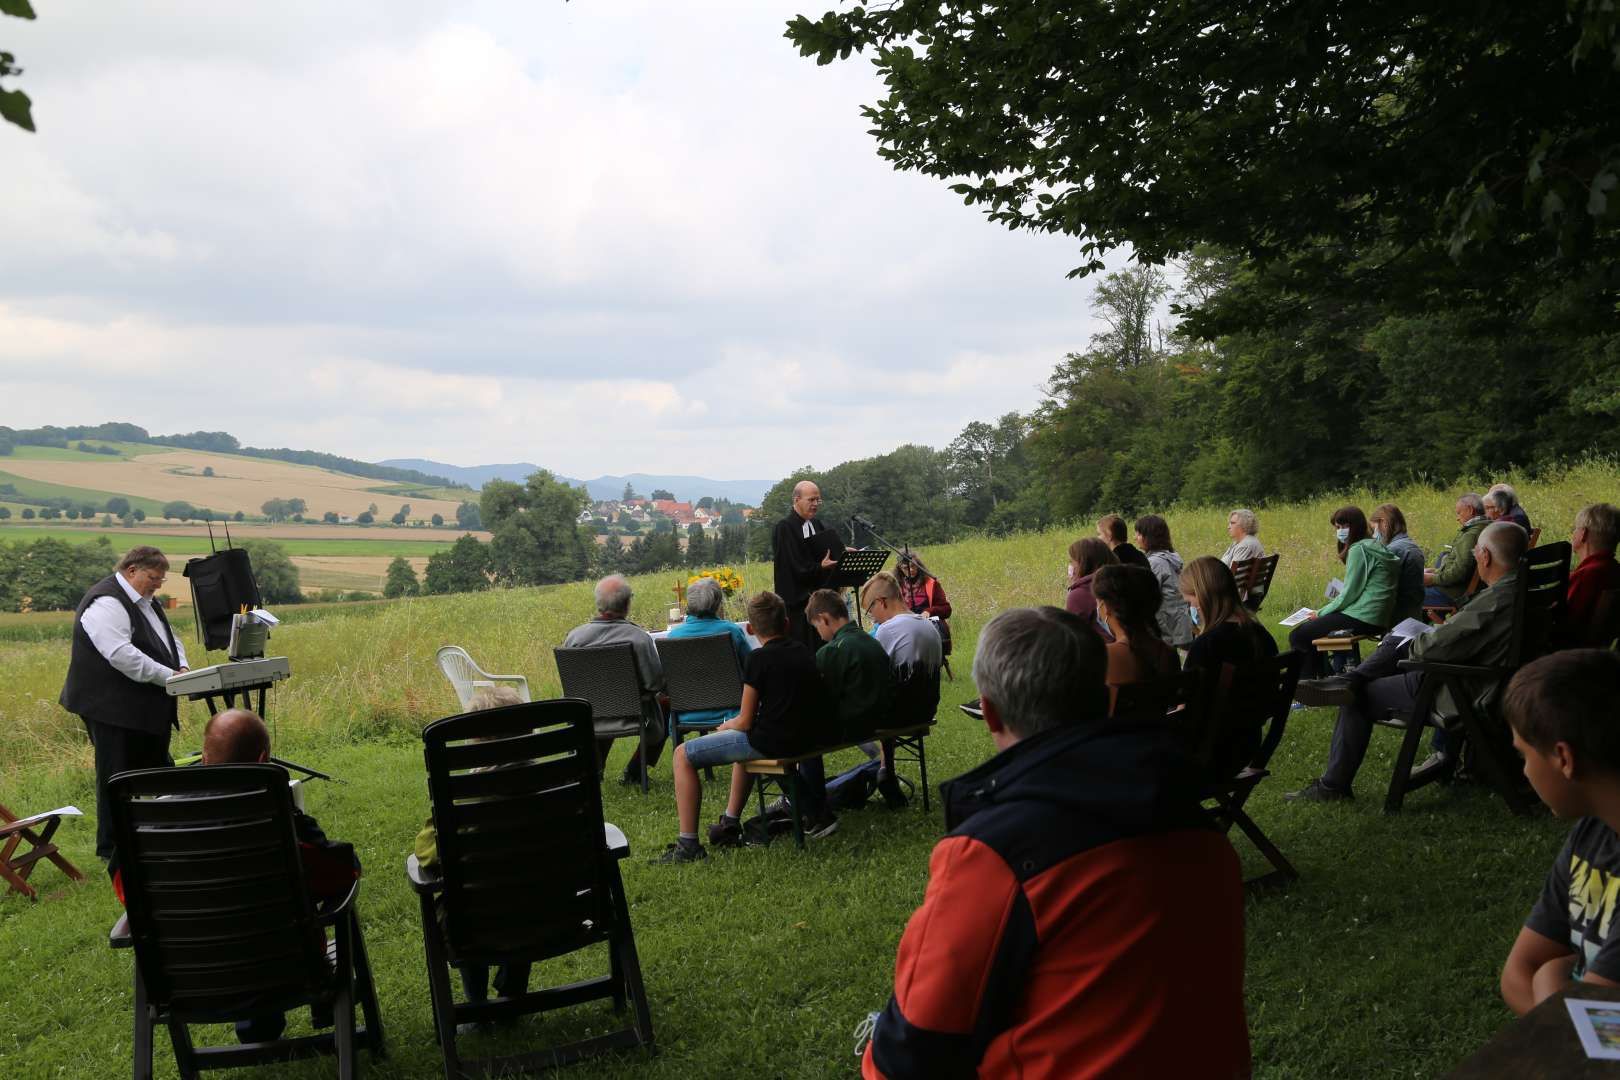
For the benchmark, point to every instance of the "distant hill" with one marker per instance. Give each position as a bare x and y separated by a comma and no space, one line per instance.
684,488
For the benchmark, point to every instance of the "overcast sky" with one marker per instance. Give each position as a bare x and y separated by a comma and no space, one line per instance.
602,236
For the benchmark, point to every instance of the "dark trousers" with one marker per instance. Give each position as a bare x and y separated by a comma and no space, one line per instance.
812,787
1435,596
510,980
1380,686
120,749
657,733
1300,638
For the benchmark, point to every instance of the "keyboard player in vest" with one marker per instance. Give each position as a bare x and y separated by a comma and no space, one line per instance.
123,651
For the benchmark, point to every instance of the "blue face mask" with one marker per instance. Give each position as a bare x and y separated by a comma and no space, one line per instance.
1195,619
1342,533
1378,535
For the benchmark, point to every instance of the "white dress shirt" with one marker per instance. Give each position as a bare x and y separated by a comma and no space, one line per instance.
107,624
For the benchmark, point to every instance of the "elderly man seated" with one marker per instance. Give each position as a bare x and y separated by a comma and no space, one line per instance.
1480,633
1597,530
1083,917
612,626
239,737
1445,583
703,599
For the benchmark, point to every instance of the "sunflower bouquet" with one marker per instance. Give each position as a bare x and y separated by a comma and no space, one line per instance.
726,577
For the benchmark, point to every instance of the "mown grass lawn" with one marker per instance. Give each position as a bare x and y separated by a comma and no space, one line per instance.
1381,961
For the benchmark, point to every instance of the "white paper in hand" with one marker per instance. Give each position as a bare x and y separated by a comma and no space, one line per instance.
1334,588
1297,617
1410,628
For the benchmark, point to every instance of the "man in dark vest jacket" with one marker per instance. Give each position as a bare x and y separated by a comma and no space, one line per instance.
123,651
803,550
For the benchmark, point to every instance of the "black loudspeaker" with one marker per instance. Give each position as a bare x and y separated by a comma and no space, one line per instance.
220,584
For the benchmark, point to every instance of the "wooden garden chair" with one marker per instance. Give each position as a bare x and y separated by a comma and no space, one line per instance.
1540,597
222,922
527,870
36,832
1221,708
1254,579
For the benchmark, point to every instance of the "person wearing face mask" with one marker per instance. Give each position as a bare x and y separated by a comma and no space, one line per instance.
1366,604
1389,529
1086,556
1126,599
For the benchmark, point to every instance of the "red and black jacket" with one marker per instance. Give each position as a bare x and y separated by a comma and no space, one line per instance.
1082,919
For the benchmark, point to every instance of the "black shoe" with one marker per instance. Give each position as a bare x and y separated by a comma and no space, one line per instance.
888,786
727,832
1333,690
681,853
631,775
1316,791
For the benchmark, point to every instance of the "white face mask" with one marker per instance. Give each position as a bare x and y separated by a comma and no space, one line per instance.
1378,535
1342,533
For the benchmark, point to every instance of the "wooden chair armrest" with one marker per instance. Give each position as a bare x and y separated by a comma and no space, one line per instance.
617,845
119,937
422,880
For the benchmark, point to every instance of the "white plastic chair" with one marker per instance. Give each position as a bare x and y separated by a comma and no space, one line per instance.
468,678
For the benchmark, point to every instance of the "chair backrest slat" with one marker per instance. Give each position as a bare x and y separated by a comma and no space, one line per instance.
520,842
605,676
701,673
1539,601
214,886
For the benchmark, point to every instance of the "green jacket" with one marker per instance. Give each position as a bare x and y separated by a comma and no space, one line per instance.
1455,566
1479,633
855,670
1372,574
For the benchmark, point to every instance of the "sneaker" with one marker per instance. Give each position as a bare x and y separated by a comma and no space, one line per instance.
1333,690
727,832
824,825
1435,762
681,853
779,808
1316,791
888,786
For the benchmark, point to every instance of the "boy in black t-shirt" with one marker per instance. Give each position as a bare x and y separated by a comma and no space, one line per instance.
780,705
1562,709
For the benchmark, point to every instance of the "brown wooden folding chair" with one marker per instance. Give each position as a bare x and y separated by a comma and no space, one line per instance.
36,833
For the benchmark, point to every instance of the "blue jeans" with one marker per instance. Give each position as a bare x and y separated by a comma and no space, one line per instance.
719,748
730,747
1435,596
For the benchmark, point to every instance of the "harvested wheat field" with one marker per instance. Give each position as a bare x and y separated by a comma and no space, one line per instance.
238,483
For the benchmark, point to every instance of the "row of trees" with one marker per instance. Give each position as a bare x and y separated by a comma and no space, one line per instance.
53,575
1397,237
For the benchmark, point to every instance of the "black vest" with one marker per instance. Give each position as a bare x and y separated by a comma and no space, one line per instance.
98,691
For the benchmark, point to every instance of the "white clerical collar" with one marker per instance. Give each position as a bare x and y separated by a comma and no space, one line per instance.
129,590
809,528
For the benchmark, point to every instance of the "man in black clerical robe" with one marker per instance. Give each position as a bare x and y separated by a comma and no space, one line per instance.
805,552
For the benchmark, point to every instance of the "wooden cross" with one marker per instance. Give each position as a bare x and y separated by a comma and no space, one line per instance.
14,869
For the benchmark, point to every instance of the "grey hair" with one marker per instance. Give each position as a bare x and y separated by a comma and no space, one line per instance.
1042,668
1502,497
613,595
703,597
1602,524
1473,502
1506,540
1246,521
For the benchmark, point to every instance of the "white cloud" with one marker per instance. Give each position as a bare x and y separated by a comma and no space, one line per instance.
596,236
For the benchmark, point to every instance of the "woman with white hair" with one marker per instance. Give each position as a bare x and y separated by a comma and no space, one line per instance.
703,603
1502,504
1244,528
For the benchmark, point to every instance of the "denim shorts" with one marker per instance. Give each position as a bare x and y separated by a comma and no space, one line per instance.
719,748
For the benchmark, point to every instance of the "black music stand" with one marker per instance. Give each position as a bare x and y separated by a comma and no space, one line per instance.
855,567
